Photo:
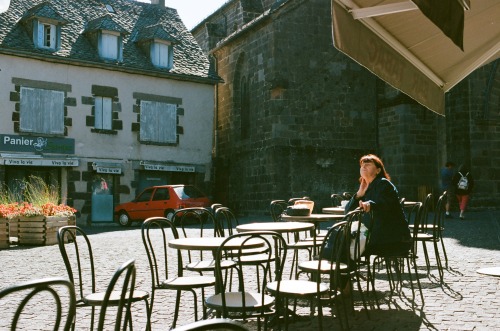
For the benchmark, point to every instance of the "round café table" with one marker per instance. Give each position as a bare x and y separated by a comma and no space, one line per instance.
493,271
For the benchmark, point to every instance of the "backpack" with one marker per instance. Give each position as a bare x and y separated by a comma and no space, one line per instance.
463,182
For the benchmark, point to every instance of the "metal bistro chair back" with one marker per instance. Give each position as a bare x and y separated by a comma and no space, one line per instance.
60,290
431,230
226,221
199,222
336,199
277,207
76,251
167,268
249,300
119,293
332,265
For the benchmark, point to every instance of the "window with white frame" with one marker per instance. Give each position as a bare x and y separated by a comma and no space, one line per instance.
109,45
46,35
103,113
41,111
158,122
161,54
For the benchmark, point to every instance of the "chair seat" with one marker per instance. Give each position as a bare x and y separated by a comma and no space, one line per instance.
96,299
188,282
208,265
297,288
326,266
234,301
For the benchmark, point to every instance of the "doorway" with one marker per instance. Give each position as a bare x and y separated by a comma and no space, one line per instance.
102,198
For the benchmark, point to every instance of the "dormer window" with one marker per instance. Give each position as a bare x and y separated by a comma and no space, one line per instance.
107,36
110,45
47,35
158,45
161,54
44,23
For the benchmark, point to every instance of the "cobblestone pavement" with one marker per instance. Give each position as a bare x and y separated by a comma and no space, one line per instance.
465,301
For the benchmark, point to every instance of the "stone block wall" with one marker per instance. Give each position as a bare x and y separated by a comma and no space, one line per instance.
294,115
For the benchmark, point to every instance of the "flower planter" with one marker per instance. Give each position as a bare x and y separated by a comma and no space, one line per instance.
4,233
41,230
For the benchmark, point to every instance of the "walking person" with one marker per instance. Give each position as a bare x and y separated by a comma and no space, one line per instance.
447,173
463,182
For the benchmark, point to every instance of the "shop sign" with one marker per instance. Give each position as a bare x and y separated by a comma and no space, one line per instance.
175,168
108,170
39,162
34,144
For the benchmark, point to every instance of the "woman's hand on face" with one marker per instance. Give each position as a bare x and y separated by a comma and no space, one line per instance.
365,206
363,186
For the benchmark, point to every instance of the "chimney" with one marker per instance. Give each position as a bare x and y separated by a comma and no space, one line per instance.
158,2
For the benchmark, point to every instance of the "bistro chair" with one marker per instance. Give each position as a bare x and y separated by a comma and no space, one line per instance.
120,293
203,220
336,199
227,221
431,229
295,242
330,267
354,245
396,262
347,195
277,207
249,300
215,206
343,247
167,269
76,251
58,295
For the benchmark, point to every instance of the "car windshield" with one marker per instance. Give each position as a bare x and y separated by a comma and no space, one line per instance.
188,192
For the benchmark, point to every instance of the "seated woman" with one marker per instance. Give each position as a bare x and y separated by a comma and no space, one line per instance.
388,228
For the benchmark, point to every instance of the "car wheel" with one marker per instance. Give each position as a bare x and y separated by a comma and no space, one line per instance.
168,214
124,219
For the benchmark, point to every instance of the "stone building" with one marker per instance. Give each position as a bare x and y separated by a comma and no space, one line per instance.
294,115
103,98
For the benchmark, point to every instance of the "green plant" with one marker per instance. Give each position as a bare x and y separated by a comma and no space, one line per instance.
38,193
38,198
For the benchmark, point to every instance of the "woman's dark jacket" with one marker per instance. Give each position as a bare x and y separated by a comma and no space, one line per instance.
389,226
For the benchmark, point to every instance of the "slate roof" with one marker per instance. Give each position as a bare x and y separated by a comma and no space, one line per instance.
136,20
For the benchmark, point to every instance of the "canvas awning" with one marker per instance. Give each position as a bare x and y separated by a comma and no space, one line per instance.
398,43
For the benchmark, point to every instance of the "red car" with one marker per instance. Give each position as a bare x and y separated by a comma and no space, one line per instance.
160,201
